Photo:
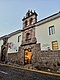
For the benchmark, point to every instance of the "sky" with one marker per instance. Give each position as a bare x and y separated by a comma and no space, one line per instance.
12,12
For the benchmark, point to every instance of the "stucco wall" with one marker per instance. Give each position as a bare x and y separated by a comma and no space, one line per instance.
16,44
42,34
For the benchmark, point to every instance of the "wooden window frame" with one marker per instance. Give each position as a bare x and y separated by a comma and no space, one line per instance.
55,45
51,30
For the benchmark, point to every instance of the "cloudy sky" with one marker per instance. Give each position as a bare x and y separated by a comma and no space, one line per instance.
12,12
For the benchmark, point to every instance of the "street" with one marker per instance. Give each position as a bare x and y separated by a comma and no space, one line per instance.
11,73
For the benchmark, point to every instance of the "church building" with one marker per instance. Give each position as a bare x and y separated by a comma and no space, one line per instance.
37,43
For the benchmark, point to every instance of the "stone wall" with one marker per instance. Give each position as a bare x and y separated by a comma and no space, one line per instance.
15,58
43,59
48,59
11,55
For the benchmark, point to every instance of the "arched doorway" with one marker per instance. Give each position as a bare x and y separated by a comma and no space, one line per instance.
27,56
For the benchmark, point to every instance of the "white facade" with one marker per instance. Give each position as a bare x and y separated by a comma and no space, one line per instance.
14,43
42,34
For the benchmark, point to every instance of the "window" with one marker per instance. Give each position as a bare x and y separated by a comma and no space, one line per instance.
26,23
19,38
51,30
31,21
54,45
27,36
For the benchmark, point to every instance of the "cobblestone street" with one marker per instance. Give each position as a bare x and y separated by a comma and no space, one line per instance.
10,73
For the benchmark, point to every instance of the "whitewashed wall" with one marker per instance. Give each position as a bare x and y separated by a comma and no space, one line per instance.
43,37
14,39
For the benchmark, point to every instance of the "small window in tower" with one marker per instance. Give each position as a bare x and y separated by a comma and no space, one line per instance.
26,23
31,21
27,36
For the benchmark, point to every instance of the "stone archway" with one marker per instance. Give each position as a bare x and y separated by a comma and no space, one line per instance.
27,56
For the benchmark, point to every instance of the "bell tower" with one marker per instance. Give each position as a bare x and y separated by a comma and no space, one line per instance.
28,37
28,34
29,19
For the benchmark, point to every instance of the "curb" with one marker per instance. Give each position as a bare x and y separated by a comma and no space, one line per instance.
39,71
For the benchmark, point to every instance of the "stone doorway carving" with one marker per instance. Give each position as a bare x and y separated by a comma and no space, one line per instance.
27,56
